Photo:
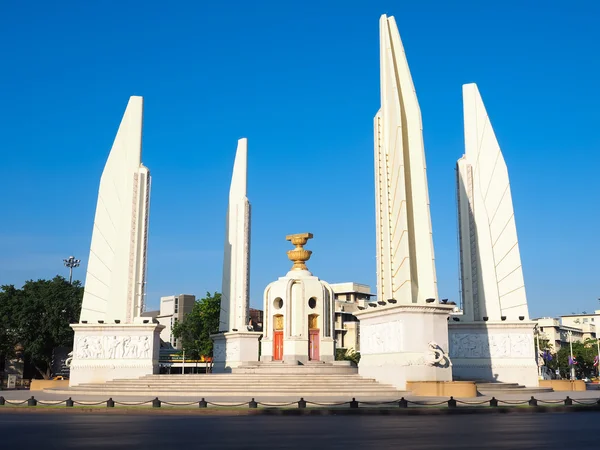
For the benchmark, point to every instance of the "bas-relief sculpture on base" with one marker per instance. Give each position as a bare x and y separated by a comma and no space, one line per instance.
490,340
112,340
106,352
403,337
235,344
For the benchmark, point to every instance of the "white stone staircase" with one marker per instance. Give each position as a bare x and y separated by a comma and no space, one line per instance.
242,385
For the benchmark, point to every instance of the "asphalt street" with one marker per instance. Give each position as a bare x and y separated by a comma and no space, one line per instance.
119,432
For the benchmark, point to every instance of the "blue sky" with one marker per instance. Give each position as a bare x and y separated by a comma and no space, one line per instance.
301,81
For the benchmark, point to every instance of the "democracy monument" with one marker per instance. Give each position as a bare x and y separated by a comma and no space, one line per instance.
409,338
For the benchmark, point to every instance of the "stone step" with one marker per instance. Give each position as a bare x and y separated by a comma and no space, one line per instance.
496,388
328,384
239,381
241,389
303,393
233,386
240,376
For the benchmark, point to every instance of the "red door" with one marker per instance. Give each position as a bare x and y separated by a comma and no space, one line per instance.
278,345
313,345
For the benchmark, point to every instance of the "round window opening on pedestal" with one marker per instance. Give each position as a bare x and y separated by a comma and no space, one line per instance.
277,303
312,303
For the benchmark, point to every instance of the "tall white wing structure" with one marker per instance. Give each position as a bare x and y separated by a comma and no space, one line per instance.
116,271
405,257
235,300
492,277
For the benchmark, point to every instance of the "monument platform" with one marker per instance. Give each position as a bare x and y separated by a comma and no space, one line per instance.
241,385
298,368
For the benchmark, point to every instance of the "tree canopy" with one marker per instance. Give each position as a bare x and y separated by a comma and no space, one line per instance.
583,352
37,316
197,326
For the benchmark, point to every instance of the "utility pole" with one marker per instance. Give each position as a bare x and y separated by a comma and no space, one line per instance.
538,353
598,344
570,334
71,263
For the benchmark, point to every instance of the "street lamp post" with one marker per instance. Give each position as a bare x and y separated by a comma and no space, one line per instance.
598,345
570,334
538,353
71,263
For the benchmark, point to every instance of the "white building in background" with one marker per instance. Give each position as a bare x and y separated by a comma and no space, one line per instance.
493,339
558,333
173,309
580,320
349,298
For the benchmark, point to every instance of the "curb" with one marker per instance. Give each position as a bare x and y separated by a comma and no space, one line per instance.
306,412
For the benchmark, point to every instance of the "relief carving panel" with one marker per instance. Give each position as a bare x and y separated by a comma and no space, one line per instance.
479,345
113,347
381,338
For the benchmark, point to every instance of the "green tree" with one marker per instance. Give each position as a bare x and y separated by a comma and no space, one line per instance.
37,316
584,353
197,326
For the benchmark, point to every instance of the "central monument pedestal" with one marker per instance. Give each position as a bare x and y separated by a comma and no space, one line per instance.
404,343
233,349
104,352
298,313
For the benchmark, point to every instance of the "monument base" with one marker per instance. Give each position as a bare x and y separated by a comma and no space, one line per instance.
564,385
494,351
104,352
401,343
233,349
457,389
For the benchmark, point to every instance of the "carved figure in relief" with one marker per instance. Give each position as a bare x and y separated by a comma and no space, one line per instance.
522,345
69,360
111,346
127,347
146,348
437,356
499,345
83,348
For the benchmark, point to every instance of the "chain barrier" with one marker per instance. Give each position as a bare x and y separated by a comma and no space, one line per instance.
445,402
302,403
514,402
579,402
327,404
179,404
89,403
277,405
147,402
17,403
236,405
393,402
55,403
462,402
